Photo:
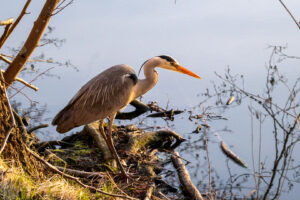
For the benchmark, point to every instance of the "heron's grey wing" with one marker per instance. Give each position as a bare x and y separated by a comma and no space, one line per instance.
102,96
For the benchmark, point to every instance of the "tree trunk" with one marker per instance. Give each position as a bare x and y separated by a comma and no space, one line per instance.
15,152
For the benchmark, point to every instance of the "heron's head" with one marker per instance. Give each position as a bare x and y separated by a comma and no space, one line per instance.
167,62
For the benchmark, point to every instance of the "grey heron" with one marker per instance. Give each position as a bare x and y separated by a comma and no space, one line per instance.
110,91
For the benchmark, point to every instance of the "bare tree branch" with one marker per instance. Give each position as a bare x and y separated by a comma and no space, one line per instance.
5,59
23,12
13,121
31,43
297,23
24,82
6,22
185,177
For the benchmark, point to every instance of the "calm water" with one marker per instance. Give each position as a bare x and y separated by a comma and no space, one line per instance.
203,36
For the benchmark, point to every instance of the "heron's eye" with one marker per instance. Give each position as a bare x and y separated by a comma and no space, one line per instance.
174,64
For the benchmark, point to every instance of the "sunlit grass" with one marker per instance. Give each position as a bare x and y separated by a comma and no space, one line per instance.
16,184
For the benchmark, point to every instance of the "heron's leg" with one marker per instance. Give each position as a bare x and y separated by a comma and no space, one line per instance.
111,144
101,130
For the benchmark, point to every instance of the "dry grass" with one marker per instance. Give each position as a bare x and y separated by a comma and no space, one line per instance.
16,184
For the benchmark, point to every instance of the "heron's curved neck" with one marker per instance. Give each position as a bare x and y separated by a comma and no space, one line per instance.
151,77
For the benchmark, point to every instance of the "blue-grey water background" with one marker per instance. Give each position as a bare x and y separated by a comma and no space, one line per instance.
204,36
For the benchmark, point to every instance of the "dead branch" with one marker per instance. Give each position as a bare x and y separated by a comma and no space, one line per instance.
35,78
164,196
149,192
184,177
5,59
37,127
27,97
82,174
5,140
257,98
141,108
30,60
5,33
24,82
54,169
10,30
61,7
27,84
13,121
31,43
42,145
169,113
114,183
9,106
293,18
6,22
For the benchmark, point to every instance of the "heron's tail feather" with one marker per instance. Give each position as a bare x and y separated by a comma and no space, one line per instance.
63,120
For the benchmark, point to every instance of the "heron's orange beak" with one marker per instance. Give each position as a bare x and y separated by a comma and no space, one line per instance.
186,71
177,68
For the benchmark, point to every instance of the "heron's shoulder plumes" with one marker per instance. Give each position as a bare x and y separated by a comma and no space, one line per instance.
120,69
133,77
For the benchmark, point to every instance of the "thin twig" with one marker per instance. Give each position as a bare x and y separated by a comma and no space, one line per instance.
37,127
31,42
25,95
5,139
23,12
297,23
257,97
5,33
164,196
5,59
252,146
27,84
6,22
79,173
59,9
13,121
24,82
259,157
292,98
149,192
30,60
208,160
113,182
8,102
35,78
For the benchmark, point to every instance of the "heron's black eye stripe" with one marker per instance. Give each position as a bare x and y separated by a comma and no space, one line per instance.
133,77
168,58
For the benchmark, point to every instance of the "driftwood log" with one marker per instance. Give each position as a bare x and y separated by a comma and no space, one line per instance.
184,178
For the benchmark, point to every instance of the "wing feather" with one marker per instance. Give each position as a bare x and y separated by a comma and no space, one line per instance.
102,96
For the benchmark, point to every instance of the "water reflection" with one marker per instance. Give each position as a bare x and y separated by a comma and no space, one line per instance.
273,167
273,115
